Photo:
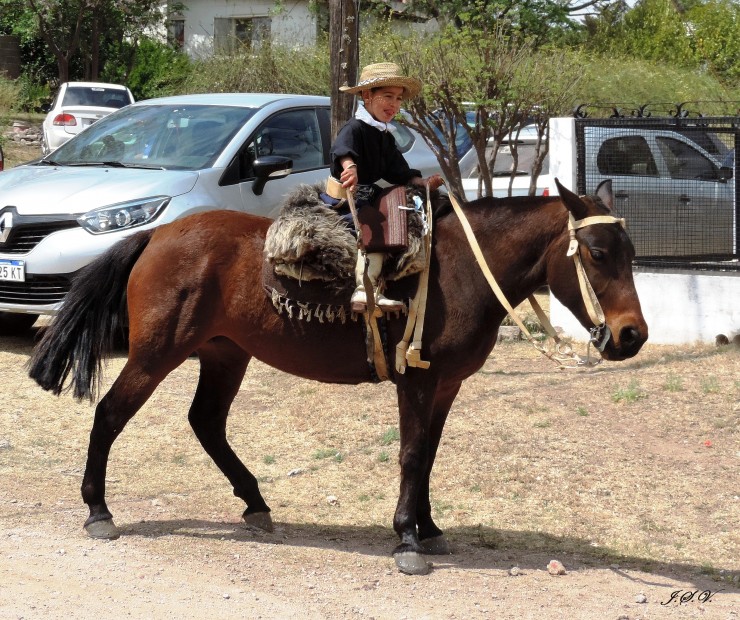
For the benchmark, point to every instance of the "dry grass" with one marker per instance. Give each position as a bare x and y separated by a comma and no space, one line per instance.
15,153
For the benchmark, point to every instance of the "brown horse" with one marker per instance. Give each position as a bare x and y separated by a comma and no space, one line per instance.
195,286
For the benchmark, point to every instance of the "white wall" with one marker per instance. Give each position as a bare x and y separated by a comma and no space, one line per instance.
680,308
294,24
562,142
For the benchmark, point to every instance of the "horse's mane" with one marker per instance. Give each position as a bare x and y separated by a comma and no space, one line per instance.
499,207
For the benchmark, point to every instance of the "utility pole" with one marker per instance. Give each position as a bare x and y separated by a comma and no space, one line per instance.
344,48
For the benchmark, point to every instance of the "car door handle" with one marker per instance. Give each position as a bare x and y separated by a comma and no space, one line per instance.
621,194
684,198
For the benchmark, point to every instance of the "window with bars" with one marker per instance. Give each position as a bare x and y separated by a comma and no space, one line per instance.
235,34
176,31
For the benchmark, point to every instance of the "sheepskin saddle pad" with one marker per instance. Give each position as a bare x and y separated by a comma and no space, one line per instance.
310,255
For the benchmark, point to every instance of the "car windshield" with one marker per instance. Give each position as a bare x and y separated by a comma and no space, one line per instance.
95,96
180,137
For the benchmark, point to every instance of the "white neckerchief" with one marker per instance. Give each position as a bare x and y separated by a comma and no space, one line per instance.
363,115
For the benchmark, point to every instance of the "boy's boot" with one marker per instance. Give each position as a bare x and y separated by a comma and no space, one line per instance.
359,297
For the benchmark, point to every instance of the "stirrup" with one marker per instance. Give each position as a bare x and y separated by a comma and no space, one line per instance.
388,305
358,303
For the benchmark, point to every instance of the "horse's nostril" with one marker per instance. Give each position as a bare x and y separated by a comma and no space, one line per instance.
628,336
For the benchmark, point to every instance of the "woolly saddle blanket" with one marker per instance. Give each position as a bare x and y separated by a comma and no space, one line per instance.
310,255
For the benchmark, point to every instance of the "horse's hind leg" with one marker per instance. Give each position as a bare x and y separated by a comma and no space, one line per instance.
222,369
128,393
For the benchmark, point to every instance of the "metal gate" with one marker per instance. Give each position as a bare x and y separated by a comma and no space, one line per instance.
675,181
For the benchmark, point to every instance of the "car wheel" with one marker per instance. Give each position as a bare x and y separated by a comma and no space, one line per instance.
15,323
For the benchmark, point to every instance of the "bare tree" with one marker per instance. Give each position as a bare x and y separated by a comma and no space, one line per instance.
483,86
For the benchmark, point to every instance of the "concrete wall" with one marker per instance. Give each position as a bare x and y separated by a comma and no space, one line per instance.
562,142
680,308
293,25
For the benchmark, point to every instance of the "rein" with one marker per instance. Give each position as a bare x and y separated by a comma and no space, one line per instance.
563,353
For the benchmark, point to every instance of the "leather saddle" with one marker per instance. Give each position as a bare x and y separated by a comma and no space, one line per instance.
384,224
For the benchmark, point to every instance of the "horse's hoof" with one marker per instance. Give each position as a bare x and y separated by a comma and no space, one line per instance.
104,529
412,563
259,520
437,545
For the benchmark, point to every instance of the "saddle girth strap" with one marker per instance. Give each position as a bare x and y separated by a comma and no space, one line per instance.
411,354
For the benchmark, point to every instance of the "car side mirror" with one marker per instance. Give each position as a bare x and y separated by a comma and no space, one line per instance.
725,174
269,168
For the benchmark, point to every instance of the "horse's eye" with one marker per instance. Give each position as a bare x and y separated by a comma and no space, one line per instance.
597,255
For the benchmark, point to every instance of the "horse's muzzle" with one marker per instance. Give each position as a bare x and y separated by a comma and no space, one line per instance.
624,343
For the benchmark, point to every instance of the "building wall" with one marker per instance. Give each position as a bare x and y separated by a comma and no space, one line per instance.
293,25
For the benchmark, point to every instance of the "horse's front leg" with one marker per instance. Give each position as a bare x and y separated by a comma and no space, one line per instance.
415,405
432,539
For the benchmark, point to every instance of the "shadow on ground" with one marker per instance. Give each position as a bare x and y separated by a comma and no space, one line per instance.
474,548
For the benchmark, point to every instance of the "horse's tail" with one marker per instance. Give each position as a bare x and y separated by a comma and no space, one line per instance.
92,317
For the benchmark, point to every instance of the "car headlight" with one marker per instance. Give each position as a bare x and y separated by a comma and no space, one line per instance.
124,215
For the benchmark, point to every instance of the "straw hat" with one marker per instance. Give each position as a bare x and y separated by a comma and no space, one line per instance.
384,74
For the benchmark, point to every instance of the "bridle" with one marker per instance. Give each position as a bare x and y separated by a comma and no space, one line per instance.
599,334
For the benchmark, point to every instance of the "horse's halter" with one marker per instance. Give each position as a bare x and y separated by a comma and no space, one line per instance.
600,333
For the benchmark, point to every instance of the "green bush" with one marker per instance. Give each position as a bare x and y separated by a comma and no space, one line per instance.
273,68
636,82
32,95
9,96
158,69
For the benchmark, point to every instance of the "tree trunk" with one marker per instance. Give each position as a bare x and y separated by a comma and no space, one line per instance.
62,68
344,32
95,50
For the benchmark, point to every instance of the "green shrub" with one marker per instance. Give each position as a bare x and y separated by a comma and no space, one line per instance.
637,82
273,68
158,69
32,95
9,96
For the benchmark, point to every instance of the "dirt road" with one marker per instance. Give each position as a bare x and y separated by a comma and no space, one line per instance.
626,474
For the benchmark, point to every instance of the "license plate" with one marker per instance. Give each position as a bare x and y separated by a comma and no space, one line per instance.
13,270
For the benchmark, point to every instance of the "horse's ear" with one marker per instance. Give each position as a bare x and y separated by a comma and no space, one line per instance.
605,194
573,202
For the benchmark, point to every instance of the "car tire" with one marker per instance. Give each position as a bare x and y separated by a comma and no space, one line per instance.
15,323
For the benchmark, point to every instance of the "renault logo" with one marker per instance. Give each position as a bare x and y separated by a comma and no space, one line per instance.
6,224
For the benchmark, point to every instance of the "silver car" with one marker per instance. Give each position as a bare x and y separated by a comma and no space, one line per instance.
674,194
150,163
